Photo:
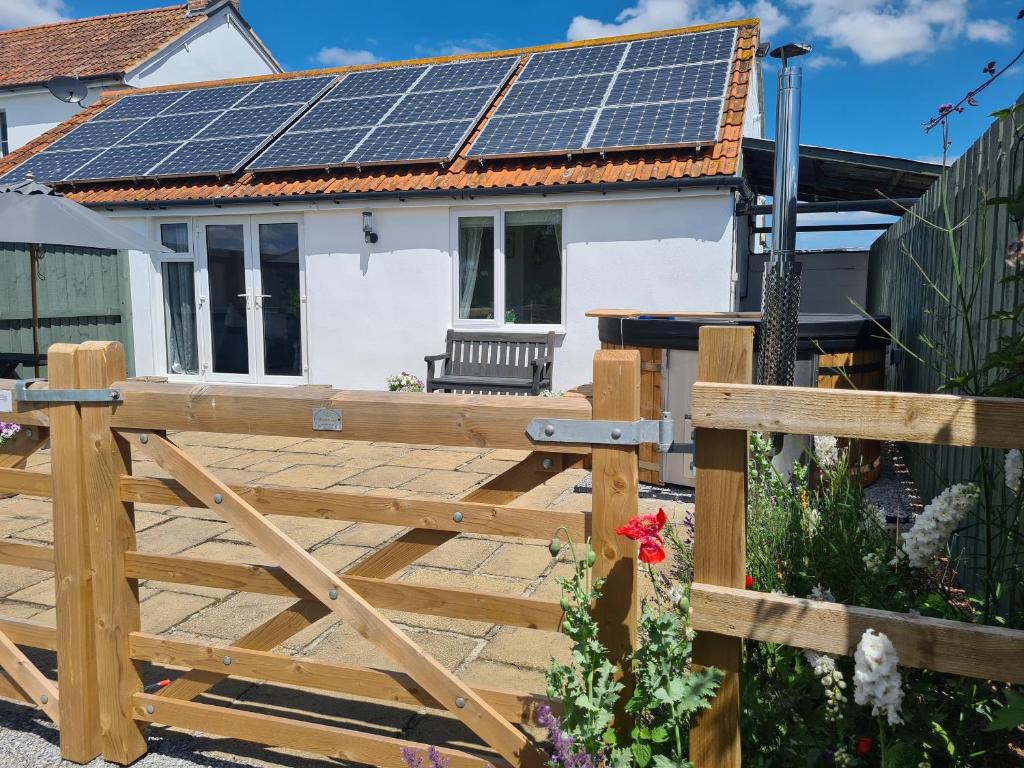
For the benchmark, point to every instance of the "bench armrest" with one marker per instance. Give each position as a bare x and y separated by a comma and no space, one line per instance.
541,372
431,361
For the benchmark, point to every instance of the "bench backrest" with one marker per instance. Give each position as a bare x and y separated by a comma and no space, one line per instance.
476,353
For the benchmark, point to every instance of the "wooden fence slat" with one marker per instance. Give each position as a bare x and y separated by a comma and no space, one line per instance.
380,684
26,482
76,643
954,647
616,492
273,580
10,690
36,556
719,553
112,532
488,518
342,600
480,421
339,743
992,422
30,633
37,688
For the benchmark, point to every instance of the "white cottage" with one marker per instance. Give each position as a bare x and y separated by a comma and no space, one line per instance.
197,40
347,274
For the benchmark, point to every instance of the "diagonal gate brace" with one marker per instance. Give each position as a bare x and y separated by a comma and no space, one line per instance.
452,693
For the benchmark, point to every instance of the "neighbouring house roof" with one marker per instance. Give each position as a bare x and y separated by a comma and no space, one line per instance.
93,48
463,175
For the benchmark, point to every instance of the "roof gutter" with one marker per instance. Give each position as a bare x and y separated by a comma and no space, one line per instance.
730,182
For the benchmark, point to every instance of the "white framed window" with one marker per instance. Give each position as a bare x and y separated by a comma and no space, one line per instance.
177,275
5,147
508,269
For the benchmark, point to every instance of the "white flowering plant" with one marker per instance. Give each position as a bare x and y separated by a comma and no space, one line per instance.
815,535
404,382
8,431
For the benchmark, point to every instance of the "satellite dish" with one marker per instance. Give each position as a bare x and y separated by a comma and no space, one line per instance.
69,89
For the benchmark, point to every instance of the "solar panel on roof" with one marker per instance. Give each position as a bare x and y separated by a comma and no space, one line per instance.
376,82
143,105
403,114
187,132
306,150
555,95
211,156
678,83
658,91
103,134
534,133
299,90
418,141
640,125
439,106
208,99
124,162
585,60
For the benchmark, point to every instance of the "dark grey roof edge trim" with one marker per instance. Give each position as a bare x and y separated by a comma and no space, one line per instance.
847,156
730,182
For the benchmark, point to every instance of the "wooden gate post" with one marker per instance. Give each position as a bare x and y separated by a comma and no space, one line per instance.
720,544
616,493
76,649
107,458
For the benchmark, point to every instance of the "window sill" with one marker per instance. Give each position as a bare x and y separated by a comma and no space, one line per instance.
523,329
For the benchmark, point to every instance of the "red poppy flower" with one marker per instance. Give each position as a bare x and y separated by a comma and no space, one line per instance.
749,581
863,747
646,529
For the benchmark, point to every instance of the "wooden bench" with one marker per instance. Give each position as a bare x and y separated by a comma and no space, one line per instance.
499,363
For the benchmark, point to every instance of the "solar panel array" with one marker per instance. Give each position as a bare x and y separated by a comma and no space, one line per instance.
664,91
175,133
403,114
661,91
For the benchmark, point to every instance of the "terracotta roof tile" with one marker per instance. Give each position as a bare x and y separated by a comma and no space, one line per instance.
89,48
719,158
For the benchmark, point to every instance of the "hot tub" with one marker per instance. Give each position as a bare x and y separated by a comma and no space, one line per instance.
836,351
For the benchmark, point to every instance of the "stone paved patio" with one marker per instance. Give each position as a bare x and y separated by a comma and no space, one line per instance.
479,653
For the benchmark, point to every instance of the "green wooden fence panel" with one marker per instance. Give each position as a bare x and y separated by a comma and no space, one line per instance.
83,295
897,286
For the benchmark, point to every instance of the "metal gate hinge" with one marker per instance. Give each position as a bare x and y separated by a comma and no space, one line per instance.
25,395
598,432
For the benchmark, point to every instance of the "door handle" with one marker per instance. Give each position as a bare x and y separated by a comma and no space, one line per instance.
246,295
259,299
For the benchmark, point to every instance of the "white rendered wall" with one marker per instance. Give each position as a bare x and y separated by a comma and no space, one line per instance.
373,311
215,50
32,112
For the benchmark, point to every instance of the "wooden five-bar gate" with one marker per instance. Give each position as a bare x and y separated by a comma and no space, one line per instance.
99,701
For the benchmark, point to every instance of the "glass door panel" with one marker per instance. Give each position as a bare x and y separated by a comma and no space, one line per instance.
229,304
279,301
179,284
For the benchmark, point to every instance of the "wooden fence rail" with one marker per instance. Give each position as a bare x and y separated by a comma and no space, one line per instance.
725,407
99,700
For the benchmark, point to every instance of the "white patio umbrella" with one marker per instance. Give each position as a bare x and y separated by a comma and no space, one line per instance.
35,214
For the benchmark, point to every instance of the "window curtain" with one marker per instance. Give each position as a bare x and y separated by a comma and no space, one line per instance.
180,317
471,239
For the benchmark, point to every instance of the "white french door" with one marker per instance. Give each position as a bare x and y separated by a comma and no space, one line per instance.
251,307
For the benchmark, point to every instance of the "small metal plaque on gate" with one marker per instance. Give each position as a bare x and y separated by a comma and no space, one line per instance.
326,420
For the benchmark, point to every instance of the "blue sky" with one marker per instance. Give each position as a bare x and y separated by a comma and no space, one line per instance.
879,70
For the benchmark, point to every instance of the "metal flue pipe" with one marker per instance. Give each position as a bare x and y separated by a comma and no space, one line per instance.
780,297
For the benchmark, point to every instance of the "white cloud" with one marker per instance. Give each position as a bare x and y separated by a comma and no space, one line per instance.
879,30
28,13
650,15
989,30
457,47
820,61
345,57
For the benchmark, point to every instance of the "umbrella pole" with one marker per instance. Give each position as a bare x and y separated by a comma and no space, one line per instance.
33,257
